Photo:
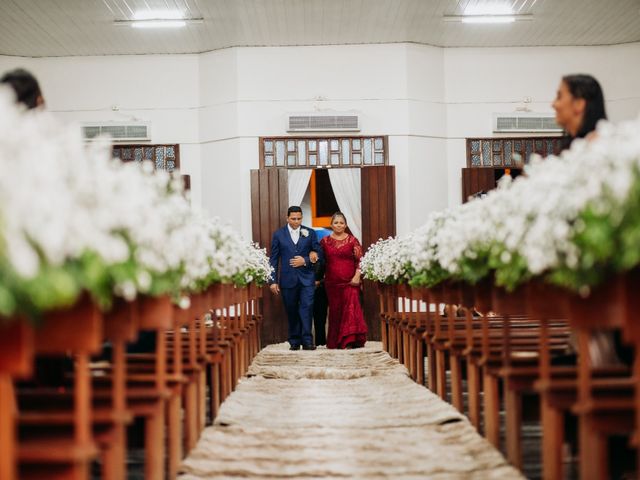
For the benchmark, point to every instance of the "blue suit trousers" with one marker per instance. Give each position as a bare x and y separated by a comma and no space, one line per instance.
298,302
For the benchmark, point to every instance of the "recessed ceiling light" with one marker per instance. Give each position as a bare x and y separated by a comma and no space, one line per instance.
487,8
486,18
158,15
158,19
158,23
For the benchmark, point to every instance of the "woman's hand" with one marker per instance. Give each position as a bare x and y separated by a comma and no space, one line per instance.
355,281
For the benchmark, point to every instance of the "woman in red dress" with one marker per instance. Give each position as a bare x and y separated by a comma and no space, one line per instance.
342,253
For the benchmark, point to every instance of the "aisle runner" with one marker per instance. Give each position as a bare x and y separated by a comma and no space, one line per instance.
339,414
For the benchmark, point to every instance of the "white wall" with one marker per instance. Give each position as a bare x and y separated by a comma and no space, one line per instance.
427,99
424,176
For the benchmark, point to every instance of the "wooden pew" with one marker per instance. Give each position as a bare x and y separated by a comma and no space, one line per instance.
513,343
631,331
109,416
605,405
154,384
151,395
16,361
49,451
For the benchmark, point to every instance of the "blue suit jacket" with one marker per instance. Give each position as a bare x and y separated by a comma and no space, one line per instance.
283,249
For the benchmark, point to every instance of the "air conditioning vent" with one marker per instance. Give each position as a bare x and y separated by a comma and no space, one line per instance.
323,123
120,133
525,122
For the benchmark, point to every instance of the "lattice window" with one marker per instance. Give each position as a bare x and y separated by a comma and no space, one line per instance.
314,152
164,157
509,151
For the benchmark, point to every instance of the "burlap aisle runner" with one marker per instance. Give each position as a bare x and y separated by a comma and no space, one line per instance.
339,414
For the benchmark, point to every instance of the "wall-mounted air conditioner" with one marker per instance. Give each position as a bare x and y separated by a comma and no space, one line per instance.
525,122
131,132
323,122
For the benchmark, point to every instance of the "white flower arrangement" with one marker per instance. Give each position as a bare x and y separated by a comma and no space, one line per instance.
572,219
304,232
73,219
386,260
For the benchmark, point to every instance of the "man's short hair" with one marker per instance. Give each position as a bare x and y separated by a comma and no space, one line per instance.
292,209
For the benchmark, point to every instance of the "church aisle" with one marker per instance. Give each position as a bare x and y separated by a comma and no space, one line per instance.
339,414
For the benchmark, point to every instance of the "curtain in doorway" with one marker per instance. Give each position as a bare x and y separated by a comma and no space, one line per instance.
298,182
347,189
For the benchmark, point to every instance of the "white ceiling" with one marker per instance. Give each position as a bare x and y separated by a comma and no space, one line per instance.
41,28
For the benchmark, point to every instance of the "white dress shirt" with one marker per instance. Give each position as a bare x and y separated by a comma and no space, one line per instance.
295,234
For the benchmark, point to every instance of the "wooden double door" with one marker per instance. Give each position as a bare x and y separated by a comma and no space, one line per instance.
269,203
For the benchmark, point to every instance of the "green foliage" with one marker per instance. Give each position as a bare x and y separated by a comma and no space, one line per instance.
428,278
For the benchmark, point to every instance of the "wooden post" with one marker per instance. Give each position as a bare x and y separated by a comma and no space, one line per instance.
8,414
473,389
491,408
552,440
513,420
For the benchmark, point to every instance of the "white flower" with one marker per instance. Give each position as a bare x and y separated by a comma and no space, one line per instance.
304,232
532,219
64,200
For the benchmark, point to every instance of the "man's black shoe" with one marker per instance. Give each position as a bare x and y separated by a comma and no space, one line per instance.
308,347
296,347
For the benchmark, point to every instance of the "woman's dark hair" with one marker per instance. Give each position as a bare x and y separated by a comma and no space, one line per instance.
587,87
24,85
339,214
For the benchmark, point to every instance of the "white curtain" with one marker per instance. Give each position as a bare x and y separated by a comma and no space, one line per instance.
346,187
298,182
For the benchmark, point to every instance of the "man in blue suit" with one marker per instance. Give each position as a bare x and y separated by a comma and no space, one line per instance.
294,248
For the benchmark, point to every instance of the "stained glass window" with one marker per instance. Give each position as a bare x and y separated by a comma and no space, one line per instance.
367,152
163,157
302,152
486,153
346,152
321,152
324,152
280,153
507,151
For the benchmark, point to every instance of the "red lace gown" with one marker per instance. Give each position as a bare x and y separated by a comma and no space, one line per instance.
346,321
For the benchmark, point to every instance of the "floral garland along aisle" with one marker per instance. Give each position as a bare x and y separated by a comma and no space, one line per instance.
572,221
74,220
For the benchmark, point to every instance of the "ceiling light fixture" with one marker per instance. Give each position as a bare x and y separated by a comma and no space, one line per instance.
158,15
487,18
158,23
158,19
